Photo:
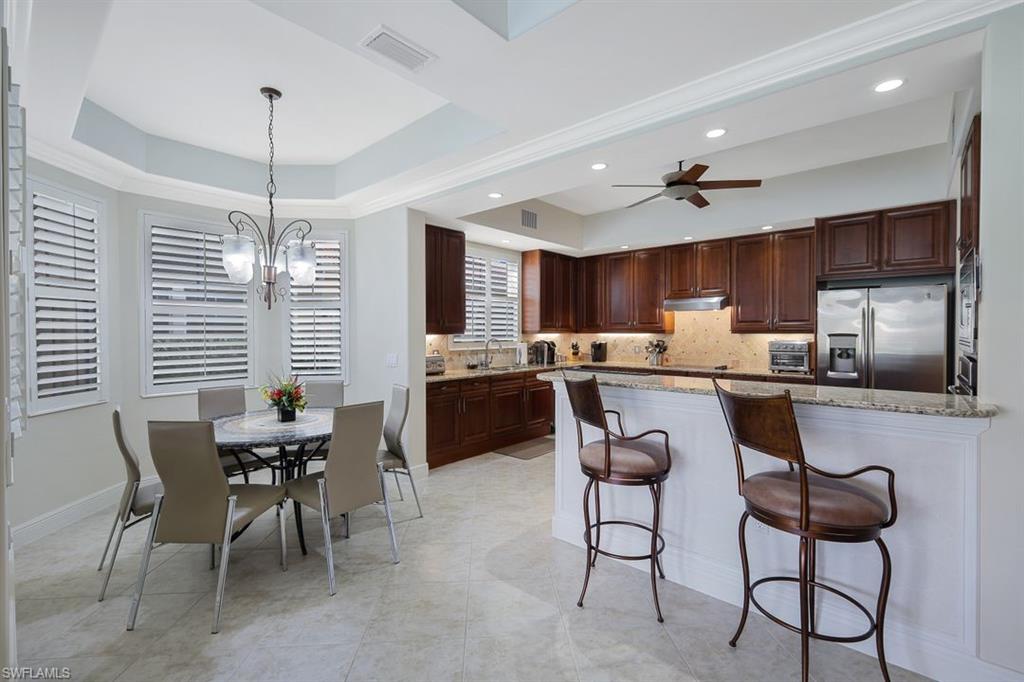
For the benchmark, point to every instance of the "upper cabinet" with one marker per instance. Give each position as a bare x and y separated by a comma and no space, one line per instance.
700,269
590,292
635,285
773,284
970,183
908,240
548,292
445,280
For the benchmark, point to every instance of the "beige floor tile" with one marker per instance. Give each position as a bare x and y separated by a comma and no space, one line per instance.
500,608
629,653
418,610
41,622
440,562
526,658
84,668
427,659
183,667
307,663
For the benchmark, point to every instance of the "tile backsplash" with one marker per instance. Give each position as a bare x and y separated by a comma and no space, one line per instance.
700,338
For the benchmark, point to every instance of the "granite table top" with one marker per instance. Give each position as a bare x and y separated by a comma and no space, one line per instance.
908,402
260,428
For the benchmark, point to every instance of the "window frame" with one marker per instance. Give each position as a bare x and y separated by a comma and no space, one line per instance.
41,406
149,219
493,253
341,236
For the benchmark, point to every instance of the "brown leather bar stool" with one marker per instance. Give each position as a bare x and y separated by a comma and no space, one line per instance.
617,459
807,502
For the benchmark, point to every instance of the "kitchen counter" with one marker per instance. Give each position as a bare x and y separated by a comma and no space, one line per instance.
626,366
907,402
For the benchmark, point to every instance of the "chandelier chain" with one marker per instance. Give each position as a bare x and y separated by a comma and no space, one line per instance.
271,185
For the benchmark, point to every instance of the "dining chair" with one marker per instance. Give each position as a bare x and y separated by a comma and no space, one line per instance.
222,402
136,500
392,457
325,393
352,478
198,506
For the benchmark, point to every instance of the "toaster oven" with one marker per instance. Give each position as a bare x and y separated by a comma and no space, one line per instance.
789,356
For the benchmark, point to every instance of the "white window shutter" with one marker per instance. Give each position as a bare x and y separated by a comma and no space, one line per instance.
316,317
492,300
16,218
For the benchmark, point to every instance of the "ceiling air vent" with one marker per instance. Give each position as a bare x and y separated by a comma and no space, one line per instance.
385,42
529,219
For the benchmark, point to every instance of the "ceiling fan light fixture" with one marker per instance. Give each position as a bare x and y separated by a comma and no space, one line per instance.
600,165
715,132
889,85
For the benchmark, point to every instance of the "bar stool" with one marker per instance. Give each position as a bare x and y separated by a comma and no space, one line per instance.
807,502
617,459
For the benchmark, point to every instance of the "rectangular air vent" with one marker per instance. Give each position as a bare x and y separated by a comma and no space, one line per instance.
529,219
387,43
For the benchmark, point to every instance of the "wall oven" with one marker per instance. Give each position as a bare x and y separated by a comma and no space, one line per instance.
967,309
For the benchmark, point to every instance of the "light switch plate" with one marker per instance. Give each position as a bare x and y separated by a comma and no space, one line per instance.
391,360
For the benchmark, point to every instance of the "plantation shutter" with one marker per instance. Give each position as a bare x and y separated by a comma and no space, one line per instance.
315,320
65,302
17,215
504,288
199,322
476,301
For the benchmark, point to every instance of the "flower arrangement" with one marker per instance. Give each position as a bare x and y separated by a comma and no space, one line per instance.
287,395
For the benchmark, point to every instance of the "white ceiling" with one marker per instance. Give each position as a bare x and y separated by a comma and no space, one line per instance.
191,72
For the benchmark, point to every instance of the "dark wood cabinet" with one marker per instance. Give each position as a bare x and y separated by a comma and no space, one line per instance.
540,403
773,282
508,406
681,271
970,185
445,280
475,419
444,410
548,292
590,293
619,292
635,286
713,271
907,240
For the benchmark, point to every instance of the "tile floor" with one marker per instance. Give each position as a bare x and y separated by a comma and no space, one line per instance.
482,593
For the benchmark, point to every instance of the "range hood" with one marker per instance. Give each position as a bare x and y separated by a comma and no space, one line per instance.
699,303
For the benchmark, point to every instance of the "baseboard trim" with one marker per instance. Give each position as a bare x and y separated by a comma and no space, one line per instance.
52,521
905,646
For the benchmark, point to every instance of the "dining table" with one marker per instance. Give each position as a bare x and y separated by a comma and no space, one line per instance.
249,431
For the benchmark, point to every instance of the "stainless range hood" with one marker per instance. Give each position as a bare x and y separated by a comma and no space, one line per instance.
700,303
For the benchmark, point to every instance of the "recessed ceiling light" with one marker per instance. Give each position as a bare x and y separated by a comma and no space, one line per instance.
600,165
687,239
624,246
715,132
495,195
767,227
891,84
506,241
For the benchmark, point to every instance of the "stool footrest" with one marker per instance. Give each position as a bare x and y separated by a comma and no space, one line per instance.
623,557
815,635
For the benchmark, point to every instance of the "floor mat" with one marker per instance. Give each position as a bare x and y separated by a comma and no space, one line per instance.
529,449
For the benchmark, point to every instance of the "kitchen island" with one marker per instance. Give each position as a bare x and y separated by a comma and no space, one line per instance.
929,440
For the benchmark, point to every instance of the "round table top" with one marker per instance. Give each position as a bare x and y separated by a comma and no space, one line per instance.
260,428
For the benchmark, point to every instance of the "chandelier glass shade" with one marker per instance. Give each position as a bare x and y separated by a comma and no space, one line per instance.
272,253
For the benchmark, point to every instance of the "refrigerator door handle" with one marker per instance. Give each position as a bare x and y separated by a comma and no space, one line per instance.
871,346
862,369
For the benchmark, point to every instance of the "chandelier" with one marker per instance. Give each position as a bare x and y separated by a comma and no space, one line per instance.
273,252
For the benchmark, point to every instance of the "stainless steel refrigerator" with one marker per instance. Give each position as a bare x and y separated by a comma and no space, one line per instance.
888,337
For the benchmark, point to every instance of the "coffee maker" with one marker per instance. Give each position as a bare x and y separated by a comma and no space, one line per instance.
599,351
542,353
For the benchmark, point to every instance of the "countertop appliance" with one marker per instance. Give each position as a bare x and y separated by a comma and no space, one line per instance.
598,351
887,337
435,364
789,356
542,353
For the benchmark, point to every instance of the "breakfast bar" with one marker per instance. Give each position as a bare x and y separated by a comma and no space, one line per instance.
929,440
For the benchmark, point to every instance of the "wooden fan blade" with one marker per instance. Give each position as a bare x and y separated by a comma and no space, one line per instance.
692,174
637,185
697,200
728,184
644,201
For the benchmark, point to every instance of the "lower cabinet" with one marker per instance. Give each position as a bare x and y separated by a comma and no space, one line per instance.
472,416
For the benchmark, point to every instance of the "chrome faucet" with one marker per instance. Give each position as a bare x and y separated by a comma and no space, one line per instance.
486,364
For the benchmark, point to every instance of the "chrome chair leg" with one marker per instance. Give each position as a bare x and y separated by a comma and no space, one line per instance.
106,548
284,542
387,515
133,610
412,483
401,497
328,548
113,558
225,552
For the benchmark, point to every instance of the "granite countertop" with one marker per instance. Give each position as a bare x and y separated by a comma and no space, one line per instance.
908,402
457,374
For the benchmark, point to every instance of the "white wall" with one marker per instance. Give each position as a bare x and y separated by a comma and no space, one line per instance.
554,224
910,177
1001,328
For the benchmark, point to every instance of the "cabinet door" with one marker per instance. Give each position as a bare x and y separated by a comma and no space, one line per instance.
793,282
442,423
849,244
540,403
713,260
453,282
508,408
475,421
432,248
565,293
751,288
591,294
917,238
681,275
648,289
970,178
549,283
619,298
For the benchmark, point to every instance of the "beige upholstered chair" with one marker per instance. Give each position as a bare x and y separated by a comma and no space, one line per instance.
351,478
222,402
198,506
392,458
325,393
136,500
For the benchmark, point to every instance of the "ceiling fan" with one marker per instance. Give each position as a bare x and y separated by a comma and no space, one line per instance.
682,184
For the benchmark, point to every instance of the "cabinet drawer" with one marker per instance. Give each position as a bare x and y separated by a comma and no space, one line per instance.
443,388
516,381
475,385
